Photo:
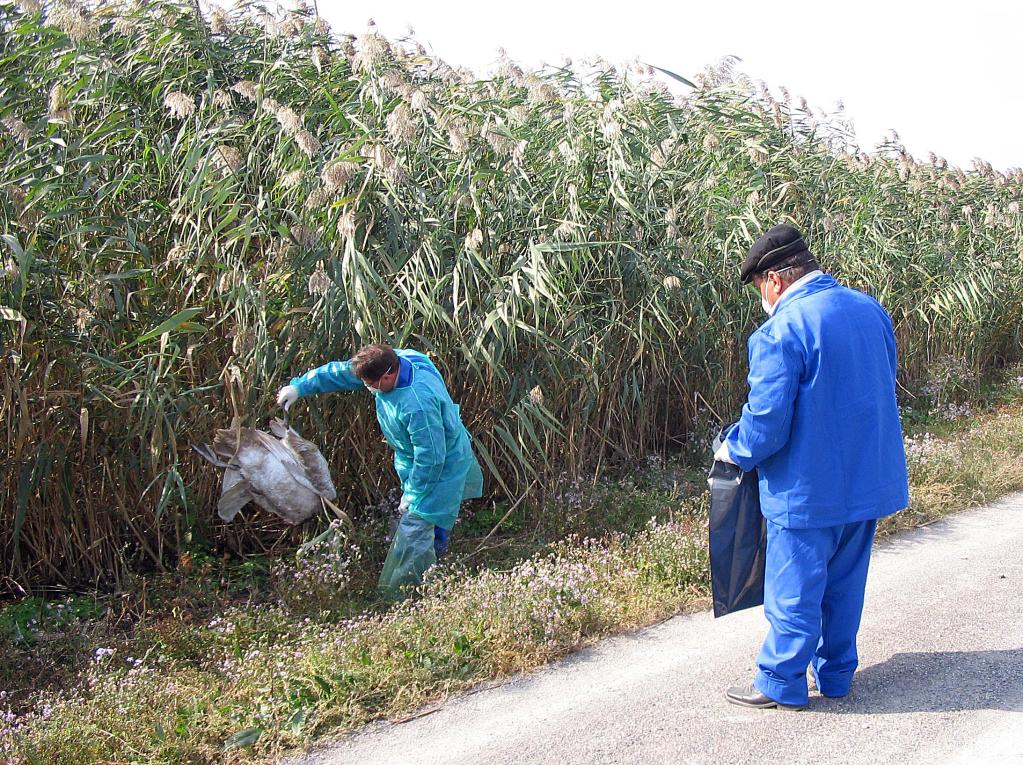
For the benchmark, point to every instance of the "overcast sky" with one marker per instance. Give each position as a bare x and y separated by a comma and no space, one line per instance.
945,76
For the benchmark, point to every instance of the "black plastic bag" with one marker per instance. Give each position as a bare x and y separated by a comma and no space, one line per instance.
738,538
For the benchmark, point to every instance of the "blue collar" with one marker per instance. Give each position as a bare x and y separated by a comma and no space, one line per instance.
404,373
819,282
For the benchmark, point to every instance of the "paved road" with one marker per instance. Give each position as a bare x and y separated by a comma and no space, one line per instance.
940,680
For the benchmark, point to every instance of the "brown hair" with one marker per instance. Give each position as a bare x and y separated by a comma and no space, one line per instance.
371,362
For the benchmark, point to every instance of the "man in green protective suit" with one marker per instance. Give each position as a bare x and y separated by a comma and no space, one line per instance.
433,453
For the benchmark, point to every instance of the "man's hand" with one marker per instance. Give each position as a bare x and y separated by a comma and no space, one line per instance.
287,396
403,505
722,455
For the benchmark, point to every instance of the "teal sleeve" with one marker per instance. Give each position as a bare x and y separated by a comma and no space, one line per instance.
426,431
334,376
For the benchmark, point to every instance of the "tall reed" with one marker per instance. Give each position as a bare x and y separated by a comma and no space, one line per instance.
196,209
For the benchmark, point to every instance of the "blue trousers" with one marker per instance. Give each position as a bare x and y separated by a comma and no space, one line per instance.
813,599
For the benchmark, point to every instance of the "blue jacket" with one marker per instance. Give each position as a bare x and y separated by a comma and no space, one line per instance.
433,454
821,423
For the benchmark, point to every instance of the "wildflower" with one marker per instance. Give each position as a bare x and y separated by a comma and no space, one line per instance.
226,160
1013,207
711,142
292,179
672,283
321,26
474,240
270,105
29,7
338,173
218,21
536,395
72,20
180,105
568,152
319,282
399,124
17,129
308,143
246,89
289,120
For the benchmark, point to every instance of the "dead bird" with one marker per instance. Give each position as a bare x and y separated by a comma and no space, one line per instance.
280,471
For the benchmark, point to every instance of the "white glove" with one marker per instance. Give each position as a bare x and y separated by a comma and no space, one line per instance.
403,505
722,455
287,396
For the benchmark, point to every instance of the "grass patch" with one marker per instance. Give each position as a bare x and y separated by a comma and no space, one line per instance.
240,662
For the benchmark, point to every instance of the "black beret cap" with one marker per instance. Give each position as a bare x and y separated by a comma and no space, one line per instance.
780,243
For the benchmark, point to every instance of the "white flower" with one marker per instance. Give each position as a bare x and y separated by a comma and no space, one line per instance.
672,282
536,395
711,142
180,105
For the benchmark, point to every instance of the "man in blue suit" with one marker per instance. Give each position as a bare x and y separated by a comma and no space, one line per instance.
821,425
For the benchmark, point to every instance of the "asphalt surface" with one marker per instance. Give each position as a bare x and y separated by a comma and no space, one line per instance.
940,679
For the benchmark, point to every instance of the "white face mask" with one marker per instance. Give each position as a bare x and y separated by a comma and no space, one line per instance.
768,308
372,390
